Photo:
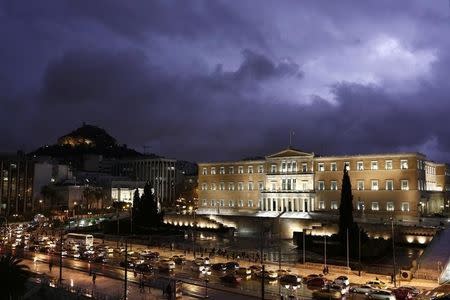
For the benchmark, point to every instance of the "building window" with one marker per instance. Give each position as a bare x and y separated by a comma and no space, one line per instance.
274,185
321,185
405,206
250,186
213,203
213,186
240,186
222,170
260,169
231,170
389,185
294,166
360,185
374,165
231,203
374,185
231,186
334,205
405,185
347,165
388,164
240,170
361,205
360,166
205,202
390,206
250,203
321,204
320,167
273,168
250,169
404,164
375,206
222,203
333,186
213,171
205,171
261,185
333,166
204,186
304,167
241,203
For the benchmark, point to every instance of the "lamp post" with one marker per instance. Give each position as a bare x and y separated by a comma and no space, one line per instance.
393,253
207,273
325,250
40,205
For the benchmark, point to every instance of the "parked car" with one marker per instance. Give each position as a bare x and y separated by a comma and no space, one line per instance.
143,268
310,276
167,265
342,280
232,265
316,282
326,293
376,284
381,295
342,288
269,275
362,289
413,290
242,271
290,279
282,272
230,278
255,268
402,294
219,267
130,264
199,267
179,260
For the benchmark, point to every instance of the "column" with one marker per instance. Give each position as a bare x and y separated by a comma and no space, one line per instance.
277,204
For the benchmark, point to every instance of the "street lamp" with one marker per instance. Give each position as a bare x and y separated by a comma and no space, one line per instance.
207,273
393,253
40,204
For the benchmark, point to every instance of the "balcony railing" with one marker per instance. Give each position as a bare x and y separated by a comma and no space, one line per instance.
299,172
286,191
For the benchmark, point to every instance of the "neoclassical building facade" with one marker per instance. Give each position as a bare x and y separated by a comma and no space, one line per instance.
300,182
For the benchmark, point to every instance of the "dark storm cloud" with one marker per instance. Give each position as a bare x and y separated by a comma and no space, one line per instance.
215,80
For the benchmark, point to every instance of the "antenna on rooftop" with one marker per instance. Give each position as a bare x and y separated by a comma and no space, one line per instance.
291,133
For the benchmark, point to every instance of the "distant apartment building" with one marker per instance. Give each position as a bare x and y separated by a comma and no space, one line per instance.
16,186
296,181
159,172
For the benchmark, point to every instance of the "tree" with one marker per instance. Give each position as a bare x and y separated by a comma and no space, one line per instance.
14,276
147,211
346,209
94,197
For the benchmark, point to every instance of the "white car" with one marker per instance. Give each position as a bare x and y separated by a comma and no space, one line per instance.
362,289
342,280
343,289
167,264
381,295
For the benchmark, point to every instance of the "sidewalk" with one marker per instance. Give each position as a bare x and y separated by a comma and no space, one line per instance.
299,269
113,288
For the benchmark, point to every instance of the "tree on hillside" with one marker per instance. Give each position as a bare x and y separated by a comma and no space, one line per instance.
94,197
346,209
14,276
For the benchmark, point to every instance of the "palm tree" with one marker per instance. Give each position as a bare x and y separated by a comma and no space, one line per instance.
13,276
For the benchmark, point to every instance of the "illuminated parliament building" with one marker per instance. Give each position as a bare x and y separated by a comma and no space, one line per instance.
295,182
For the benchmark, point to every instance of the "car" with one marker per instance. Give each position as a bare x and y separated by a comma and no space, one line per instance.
316,282
230,278
282,272
413,290
270,275
290,279
310,276
376,284
342,280
242,271
130,264
362,289
381,295
341,288
199,268
179,260
143,268
167,265
219,267
402,294
232,265
255,268
99,259
202,261
326,293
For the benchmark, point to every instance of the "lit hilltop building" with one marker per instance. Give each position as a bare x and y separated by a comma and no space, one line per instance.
405,185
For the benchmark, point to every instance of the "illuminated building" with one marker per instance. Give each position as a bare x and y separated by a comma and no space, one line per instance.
404,184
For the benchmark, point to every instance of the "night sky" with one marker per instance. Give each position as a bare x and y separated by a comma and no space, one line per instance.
220,80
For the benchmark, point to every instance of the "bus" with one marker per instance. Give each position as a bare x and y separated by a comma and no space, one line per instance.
86,240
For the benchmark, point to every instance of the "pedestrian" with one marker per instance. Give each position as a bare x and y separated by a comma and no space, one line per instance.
324,271
94,276
50,266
